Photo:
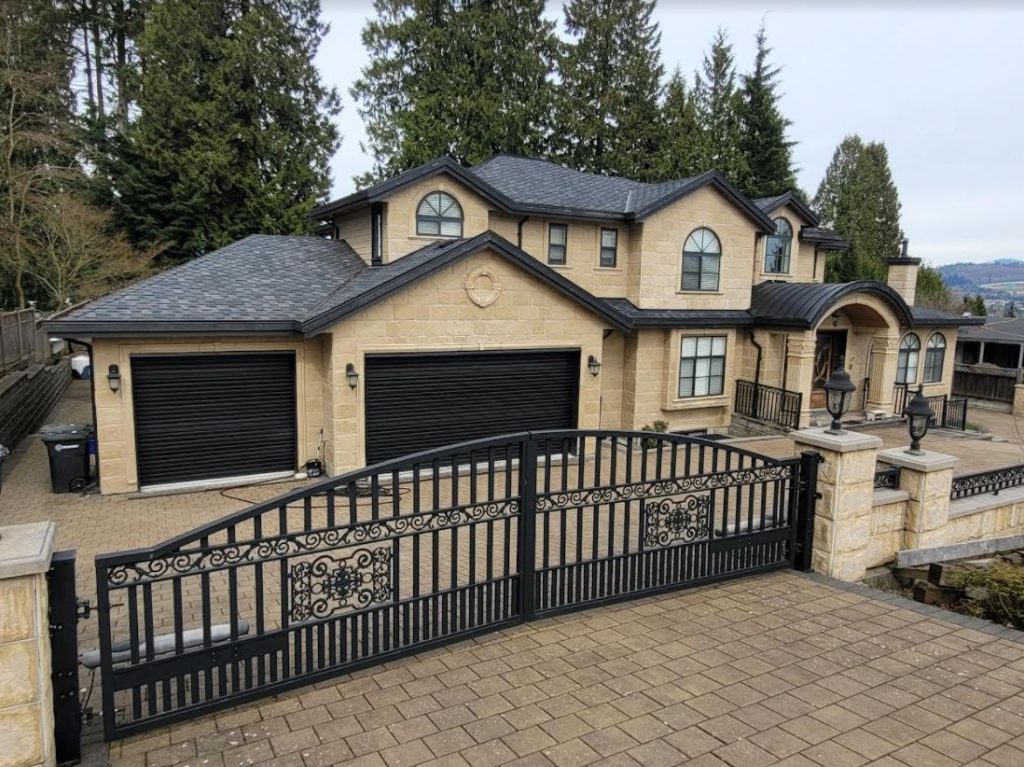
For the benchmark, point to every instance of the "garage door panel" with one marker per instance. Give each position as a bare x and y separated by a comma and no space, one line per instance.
205,416
417,402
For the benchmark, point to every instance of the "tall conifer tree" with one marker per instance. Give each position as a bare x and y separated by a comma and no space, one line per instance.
768,154
607,112
718,110
681,150
467,78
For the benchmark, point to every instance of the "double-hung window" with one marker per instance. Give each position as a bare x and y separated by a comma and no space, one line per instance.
778,248
934,358
702,366
906,360
702,260
609,247
558,242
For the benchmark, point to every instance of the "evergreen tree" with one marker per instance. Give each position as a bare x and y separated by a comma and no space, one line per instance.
466,78
974,305
768,154
681,149
932,290
607,109
858,199
233,129
718,109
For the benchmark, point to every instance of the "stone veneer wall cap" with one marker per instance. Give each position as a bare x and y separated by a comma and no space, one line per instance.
884,496
26,549
847,442
916,557
976,504
929,462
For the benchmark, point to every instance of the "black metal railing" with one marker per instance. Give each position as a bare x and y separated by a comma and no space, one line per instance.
987,482
887,479
865,392
949,412
429,549
900,398
768,403
954,414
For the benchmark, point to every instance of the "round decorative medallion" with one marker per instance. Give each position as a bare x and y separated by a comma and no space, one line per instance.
483,286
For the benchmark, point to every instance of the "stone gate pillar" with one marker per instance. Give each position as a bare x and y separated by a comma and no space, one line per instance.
842,515
928,479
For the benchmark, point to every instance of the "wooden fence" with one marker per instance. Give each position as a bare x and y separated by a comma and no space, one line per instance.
21,340
985,382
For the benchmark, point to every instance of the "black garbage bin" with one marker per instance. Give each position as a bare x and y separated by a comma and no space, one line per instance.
68,448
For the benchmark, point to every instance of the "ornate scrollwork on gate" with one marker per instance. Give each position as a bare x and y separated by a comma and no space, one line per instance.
673,521
327,585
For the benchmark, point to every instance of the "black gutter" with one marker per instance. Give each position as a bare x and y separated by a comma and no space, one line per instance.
757,368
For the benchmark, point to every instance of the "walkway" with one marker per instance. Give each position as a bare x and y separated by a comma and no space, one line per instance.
781,669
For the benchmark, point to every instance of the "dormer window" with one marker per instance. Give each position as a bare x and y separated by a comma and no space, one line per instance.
702,260
439,215
778,248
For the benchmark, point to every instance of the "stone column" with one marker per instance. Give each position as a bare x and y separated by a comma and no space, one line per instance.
800,369
884,356
842,515
1018,400
26,693
928,479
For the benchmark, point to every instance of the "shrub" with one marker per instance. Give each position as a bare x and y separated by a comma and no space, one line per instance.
1003,597
658,426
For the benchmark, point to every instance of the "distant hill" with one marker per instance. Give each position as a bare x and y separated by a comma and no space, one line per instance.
1001,278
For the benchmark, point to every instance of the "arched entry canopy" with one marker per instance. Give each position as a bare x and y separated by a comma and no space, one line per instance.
802,305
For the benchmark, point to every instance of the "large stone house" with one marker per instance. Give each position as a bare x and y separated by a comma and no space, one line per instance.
450,303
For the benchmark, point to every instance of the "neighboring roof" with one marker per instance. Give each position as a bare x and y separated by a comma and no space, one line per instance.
805,304
770,204
524,186
271,284
1008,330
263,283
680,318
824,238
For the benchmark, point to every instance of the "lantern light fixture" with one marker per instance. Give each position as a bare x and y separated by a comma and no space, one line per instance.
594,365
919,416
838,391
351,375
114,378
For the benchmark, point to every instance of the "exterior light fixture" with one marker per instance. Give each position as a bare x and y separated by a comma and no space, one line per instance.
838,389
835,319
351,375
919,415
594,365
114,378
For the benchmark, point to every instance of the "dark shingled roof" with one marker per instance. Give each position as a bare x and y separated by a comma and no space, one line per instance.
771,204
680,318
826,238
1007,330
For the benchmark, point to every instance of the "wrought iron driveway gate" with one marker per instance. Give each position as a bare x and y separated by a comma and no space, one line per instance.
429,549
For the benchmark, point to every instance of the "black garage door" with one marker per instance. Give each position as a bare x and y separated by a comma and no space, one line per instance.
419,401
202,416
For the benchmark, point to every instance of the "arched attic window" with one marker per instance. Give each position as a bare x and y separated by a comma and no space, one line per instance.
439,215
934,358
778,248
906,361
702,260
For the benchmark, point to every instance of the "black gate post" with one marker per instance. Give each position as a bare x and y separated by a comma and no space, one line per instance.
526,554
809,461
63,619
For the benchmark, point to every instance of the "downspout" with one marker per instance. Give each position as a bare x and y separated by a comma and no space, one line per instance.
757,367
519,232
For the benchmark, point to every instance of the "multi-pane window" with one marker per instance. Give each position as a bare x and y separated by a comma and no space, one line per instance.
702,260
439,215
702,366
778,248
609,247
934,358
906,361
558,238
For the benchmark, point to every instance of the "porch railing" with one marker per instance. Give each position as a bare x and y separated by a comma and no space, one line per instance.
950,412
769,403
985,482
887,479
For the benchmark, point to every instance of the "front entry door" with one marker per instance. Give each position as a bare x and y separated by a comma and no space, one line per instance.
828,356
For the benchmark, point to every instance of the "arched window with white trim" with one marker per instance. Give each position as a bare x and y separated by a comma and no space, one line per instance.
439,215
778,248
906,362
702,260
934,358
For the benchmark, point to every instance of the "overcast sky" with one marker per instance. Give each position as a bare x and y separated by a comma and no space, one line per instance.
941,86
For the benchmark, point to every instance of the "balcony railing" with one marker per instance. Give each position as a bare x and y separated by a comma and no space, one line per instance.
769,404
985,482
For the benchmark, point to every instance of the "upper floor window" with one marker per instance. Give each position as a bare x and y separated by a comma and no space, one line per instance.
778,248
609,247
439,215
702,366
702,260
558,241
906,361
934,358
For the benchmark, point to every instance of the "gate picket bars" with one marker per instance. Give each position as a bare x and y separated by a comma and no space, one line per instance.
429,549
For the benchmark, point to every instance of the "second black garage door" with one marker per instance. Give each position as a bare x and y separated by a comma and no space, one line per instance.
204,416
416,402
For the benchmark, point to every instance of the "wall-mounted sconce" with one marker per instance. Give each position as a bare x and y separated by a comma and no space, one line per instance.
351,375
594,365
114,378
835,319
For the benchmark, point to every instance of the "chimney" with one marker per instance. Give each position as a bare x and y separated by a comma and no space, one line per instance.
903,274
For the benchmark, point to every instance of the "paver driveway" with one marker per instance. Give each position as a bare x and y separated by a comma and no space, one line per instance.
778,669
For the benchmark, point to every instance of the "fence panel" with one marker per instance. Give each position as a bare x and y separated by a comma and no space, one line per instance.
985,382
21,341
